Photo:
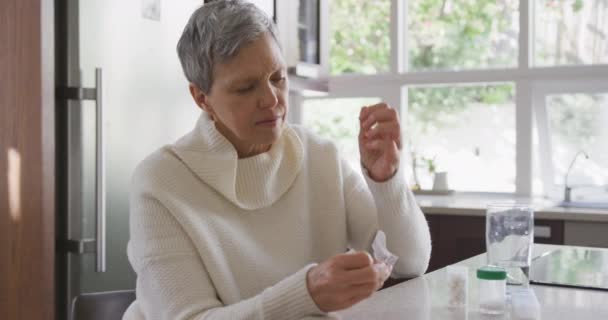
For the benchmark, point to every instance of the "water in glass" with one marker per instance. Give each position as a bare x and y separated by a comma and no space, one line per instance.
509,238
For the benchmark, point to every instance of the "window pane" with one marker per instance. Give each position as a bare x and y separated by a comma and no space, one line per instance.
338,120
474,34
469,132
361,36
571,32
579,122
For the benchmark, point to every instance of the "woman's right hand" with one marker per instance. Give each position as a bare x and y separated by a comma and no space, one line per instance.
345,279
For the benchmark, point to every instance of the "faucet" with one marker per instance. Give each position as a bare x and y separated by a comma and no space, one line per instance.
568,189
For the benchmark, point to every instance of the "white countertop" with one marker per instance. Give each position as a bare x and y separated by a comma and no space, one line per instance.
425,298
474,204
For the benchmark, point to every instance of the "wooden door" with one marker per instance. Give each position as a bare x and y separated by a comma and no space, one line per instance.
27,164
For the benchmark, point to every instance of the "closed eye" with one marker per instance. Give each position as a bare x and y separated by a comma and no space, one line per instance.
245,89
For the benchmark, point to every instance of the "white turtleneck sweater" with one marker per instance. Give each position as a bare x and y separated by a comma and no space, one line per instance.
217,237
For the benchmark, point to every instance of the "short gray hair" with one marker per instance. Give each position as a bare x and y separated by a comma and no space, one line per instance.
215,33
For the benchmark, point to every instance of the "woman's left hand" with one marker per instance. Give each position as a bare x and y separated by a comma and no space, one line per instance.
379,141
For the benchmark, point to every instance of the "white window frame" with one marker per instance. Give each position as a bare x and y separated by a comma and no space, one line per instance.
532,84
545,151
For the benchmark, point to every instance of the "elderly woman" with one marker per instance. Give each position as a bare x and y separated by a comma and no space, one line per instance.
249,217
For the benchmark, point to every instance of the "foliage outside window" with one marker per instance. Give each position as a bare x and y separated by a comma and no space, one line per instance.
360,42
452,35
337,120
446,34
571,32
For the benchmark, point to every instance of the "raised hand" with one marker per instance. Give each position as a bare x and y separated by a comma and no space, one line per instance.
345,279
379,141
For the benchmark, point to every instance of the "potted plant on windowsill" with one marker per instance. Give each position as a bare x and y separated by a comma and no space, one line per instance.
440,179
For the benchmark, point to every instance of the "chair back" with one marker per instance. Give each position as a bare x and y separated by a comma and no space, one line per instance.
110,305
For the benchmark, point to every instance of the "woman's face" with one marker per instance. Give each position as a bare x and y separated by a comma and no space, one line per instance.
248,97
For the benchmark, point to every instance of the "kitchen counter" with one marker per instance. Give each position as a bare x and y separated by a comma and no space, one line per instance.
426,297
474,204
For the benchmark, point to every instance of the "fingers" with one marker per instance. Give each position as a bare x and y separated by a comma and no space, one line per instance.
361,290
375,274
377,113
379,122
350,261
383,272
358,268
336,283
361,276
368,110
384,129
382,144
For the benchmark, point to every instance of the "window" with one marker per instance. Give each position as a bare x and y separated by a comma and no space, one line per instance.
338,120
472,78
467,131
573,127
360,42
462,34
571,32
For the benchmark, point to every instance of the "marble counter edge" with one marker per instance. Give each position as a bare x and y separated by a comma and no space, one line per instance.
476,207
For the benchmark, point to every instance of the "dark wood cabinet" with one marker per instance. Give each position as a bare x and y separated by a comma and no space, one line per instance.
456,238
552,231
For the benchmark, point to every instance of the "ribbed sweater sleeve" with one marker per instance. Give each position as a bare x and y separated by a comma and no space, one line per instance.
406,228
173,283
397,214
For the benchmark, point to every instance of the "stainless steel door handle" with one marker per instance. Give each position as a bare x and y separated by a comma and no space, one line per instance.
76,246
100,184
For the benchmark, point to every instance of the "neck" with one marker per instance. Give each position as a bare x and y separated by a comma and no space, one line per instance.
243,149
251,150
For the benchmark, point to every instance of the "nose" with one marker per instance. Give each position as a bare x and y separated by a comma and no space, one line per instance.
269,97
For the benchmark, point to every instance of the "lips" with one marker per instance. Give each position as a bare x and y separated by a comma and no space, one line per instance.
271,120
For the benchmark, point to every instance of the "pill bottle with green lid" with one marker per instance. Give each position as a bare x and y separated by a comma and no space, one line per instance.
492,289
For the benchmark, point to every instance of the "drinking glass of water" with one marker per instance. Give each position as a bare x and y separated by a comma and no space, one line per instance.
509,238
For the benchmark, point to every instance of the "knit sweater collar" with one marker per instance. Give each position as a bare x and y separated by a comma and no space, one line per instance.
251,183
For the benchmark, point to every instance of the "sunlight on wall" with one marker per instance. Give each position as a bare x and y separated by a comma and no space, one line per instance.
14,184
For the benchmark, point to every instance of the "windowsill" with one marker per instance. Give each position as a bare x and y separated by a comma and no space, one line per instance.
475,203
